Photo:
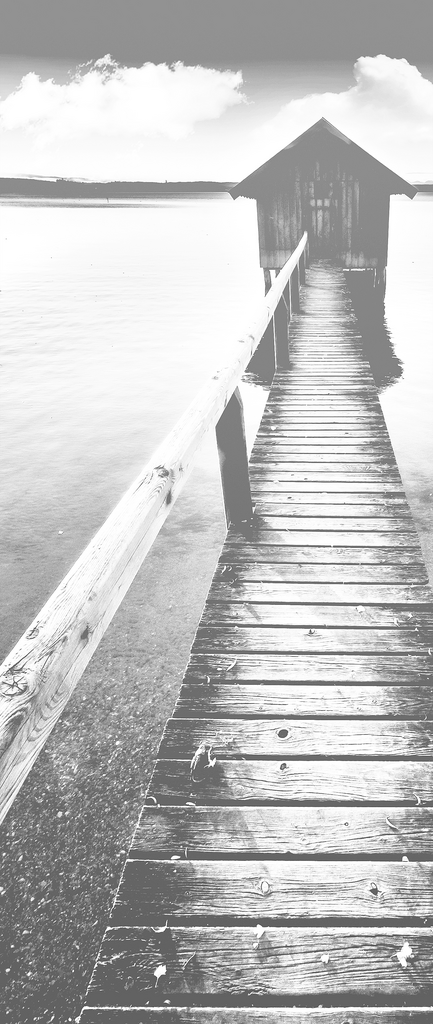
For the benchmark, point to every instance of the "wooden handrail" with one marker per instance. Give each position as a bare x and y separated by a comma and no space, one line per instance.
40,673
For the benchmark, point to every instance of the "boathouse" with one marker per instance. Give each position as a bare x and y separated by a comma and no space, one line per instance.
325,184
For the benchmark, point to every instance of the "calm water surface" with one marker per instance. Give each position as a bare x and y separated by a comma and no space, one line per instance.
112,318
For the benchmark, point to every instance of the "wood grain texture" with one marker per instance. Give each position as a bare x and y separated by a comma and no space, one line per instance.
298,738
294,890
309,558
322,538
287,782
258,832
307,668
362,595
250,613
285,962
369,517
261,1015
247,700
236,550
290,639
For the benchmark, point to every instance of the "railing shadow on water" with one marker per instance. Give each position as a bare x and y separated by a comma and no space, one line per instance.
377,342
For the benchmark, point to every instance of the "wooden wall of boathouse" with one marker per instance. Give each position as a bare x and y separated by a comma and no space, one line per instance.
324,184
344,208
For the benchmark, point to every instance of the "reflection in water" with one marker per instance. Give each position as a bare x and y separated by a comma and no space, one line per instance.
378,347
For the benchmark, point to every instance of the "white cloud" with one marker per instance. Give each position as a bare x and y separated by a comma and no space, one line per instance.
112,101
389,111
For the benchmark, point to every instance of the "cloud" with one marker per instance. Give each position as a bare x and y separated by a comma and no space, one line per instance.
389,111
113,101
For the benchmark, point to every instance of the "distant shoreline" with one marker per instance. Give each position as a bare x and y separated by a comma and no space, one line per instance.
62,188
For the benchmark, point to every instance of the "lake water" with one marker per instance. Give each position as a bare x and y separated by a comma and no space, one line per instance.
112,318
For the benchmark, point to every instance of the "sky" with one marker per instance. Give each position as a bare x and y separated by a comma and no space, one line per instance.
191,89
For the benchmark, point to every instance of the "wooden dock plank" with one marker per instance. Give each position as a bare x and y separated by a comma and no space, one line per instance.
248,700
291,640
288,782
286,962
258,832
311,668
310,682
297,738
249,613
264,1015
236,549
289,592
272,531
275,890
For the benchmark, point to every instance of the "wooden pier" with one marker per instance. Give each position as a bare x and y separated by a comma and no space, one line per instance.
282,867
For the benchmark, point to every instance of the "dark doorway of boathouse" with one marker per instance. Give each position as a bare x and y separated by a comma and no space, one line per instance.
322,217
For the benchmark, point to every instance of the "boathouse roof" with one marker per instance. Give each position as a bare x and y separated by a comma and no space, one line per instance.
252,186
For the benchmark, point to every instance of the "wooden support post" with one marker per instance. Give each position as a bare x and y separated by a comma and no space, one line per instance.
268,280
302,268
232,451
281,331
306,254
294,289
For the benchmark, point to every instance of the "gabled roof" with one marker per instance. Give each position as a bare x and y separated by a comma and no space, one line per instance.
250,186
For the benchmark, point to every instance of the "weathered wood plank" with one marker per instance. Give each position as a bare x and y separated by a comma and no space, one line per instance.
278,449
305,486
294,890
289,536
257,832
315,641
284,961
289,521
320,555
315,593
315,668
285,470
297,737
410,579
250,613
274,511
345,498
358,517
375,479
286,415
294,782
224,699
352,463
261,1015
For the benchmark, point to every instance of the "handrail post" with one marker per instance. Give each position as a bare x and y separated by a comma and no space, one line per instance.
282,316
267,343
302,268
294,290
281,329
233,456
